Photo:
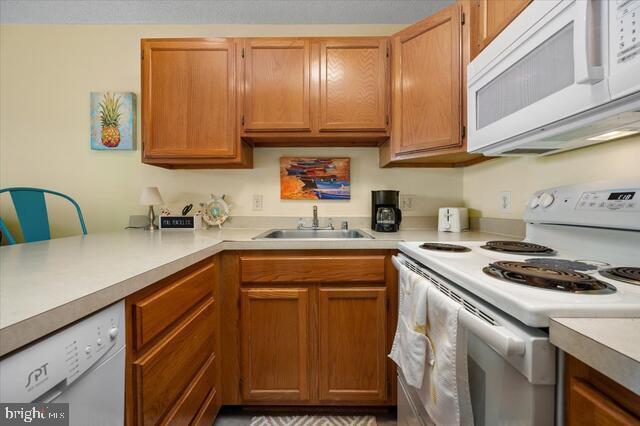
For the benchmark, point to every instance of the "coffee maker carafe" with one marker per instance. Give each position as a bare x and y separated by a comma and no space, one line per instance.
385,214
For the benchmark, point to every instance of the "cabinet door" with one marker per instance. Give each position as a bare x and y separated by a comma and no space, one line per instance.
426,90
276,84
352,328
490,17
188,99
275,344
353,84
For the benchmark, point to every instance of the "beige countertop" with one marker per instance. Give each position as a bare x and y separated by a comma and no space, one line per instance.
609,345
47,285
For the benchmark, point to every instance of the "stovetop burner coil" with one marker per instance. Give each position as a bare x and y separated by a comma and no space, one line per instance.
558,279
451,248
626,274
517,247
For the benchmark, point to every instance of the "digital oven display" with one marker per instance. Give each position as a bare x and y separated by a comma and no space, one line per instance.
621,196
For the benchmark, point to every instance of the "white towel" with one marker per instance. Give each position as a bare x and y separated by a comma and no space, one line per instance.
445,386
411,347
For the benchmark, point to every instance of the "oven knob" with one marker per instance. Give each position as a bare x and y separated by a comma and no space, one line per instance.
534,202
546,200
87,350
113,332
99,341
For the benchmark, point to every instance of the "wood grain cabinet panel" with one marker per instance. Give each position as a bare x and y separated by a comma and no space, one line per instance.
312,269
427,90
352,328
156,312
353,84
275,344
489,18
188,99
276,85
194,397
593,399
162,374
592,407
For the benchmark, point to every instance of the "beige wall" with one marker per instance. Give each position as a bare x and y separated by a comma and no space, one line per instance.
523,176
46,74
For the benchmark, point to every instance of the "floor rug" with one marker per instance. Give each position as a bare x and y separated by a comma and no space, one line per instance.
313,421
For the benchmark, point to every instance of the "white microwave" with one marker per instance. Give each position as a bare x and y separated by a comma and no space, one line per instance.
563,74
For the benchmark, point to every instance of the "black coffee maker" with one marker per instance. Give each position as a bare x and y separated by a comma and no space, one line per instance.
385,214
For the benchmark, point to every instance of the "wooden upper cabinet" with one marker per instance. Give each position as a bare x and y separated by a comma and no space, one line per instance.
489,18
277,85
275,344
427,84
354,84
188,99
352,345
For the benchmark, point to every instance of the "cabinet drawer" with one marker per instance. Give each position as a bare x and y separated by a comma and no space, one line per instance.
208,411
591,407
194,397
155,313
162,374
270,269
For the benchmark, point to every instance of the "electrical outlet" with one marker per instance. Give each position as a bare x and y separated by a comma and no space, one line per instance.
257,202
406,202
505,201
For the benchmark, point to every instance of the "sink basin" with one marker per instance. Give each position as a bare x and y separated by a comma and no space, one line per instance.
287,234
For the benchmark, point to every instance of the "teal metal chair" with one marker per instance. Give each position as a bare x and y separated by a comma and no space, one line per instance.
31,210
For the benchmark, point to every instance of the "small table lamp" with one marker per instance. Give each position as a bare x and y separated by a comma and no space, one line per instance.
150,196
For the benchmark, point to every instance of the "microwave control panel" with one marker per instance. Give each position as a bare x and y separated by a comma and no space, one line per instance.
627,31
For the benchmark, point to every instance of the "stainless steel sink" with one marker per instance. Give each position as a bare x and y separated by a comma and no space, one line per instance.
286,234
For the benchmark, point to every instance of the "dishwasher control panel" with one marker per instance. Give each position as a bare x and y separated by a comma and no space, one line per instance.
34,373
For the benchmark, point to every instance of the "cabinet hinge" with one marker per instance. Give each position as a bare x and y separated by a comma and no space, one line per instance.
387,52
242,53
463,132
142,54
462,19
386,301
242,120
387,119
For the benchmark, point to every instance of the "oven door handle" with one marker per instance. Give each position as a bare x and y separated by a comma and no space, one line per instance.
500,338
505,342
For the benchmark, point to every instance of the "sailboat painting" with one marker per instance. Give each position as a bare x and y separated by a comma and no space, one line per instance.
315,178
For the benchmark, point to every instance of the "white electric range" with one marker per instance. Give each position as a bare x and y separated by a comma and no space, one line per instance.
580,258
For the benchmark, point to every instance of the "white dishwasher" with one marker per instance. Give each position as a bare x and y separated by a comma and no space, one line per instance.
82,365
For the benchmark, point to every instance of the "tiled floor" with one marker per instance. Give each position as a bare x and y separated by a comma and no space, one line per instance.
234,418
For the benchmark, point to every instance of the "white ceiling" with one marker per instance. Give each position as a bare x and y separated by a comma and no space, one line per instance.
217,11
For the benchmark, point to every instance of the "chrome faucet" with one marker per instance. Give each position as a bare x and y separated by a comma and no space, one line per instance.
315,222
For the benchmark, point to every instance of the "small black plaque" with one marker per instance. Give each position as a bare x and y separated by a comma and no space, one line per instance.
177,222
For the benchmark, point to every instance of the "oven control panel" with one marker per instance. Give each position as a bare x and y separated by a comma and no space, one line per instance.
608,204
622,200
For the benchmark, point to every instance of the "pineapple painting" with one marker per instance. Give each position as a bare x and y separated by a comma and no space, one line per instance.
113,120
110,119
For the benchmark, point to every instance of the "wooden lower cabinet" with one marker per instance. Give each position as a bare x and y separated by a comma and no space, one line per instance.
275,344
592,399
172,366
353,332
308,342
